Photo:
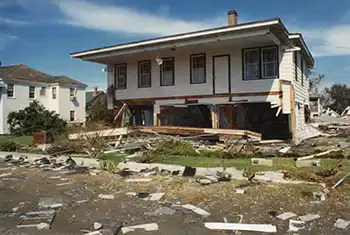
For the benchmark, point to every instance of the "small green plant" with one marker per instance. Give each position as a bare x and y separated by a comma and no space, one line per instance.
10,146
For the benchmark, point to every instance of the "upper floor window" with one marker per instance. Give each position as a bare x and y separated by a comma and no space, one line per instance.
145,73
43,91
10,90
167,72
120,76
296,65
72,93
54,92
302,70
72,115
31,92
198,68
259,63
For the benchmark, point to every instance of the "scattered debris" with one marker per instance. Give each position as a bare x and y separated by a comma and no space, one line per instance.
296,225
20,205
161,211
146,227
319,196
50,203
285,149
309,217
267,228
63,184
240,191
97,226
106,196
286,215
41,220
139,180
154,197
43,226
342,224
262,161
317,154
196,210
308,163
340,181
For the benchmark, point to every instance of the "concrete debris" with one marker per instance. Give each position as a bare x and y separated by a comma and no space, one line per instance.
43,226
267,228
97,226
261,161
204,181
154,197
161,211
196,210
106,196
50,203
319,196
308,163
146,227
286,215
240,191
342,224
341,181
94,172
139,180
309,217
296,225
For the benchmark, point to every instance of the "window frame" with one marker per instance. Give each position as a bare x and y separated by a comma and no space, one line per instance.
13,90
139,73
70,115
31,92
43,88
162,71
117,87
260,56
71,94
191,67
296,65
54,94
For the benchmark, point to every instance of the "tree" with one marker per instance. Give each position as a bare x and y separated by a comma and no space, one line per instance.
98,111
337,97
314,82
35,118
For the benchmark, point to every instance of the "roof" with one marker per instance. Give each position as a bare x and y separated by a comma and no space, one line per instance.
28,74
205,32
89,96
274,22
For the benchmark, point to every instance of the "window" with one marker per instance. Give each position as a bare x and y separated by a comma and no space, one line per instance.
198,68
120,76
167,72
43,91
296,65
302,70
10,90
71,93
72,115
260,63
145,73
31,92
251,64
54,93
269,62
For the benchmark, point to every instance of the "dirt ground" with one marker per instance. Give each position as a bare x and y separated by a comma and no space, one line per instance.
221,200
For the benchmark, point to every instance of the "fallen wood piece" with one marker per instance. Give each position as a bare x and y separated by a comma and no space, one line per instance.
196,210
146,227
271,142
267,228
121,110
154,197
317,154
342,224
139,180
285,149
296,225
309,217
102,133
286,215
341,180
106,196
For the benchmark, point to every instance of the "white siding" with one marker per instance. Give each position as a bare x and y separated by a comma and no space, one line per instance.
21,100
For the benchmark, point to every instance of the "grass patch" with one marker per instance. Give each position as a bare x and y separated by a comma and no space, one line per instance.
110,161
25,140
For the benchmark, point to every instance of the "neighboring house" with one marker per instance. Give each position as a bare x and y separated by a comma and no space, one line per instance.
315,105
241,76
20,85
92,96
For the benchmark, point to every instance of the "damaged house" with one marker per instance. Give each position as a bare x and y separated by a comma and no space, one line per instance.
250,76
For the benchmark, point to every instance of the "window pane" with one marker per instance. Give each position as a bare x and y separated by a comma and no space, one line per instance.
252,57
167,70
31,92
252,71
270,63
145,74
198,68
251,64
121,76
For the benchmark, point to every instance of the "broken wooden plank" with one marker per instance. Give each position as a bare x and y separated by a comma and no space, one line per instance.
101,133
267,228
317,154
146,227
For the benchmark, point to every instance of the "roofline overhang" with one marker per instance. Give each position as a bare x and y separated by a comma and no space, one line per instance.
173,38
306,49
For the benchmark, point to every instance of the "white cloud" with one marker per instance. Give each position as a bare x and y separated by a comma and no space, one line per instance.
13,22
111,18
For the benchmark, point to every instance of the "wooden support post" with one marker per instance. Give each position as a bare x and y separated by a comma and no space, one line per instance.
214,118
156,113
292,113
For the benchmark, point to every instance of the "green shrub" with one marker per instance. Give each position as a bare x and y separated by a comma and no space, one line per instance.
10,146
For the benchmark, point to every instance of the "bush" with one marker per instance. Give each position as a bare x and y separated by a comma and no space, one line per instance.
10,146
35,118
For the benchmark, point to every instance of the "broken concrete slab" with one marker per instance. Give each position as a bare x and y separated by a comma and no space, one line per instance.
296,225
267,228
50,203
308,163
43,226
146,227
154,197
309,217
286,215
196,210
106,196
262,161
97,225
342,224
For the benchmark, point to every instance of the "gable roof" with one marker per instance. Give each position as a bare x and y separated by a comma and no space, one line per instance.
28,74
89,96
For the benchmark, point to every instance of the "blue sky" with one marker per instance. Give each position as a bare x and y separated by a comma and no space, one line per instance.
42,33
